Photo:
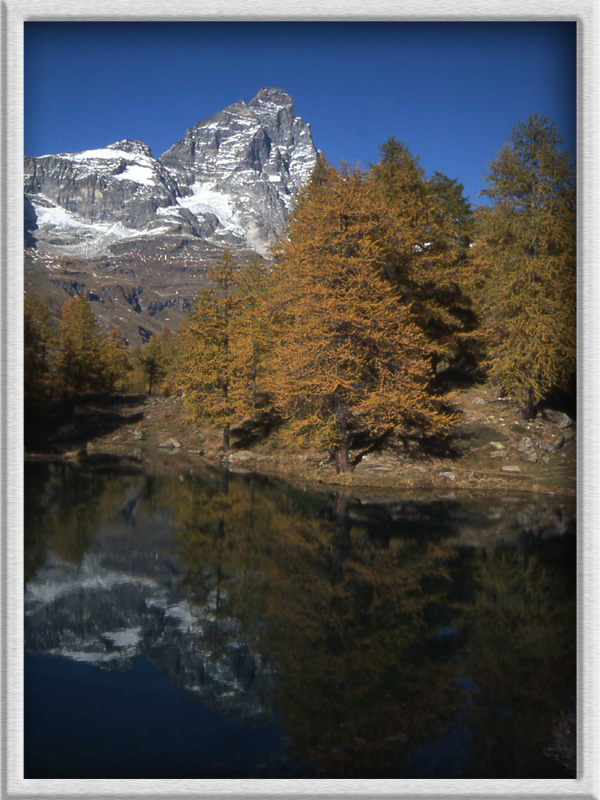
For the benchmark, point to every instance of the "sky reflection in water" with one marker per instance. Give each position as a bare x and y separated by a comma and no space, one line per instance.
228,626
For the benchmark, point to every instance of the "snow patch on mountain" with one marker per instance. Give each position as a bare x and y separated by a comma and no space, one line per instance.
205,200
58,217
138,173
83,656
68,234
108,617
60,580
101,154
230,181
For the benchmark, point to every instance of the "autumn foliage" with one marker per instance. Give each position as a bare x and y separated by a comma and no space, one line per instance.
526,265
384,283
431,226
66,353
351,354
214,365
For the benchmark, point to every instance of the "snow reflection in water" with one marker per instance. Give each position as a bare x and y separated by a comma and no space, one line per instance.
290,634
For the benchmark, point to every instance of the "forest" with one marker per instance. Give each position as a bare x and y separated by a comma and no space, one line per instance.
386,284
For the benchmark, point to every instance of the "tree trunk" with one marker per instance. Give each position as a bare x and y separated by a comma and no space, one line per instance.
226,438
340,456
340,450
530,408
225,482
249,524
150,379
227,367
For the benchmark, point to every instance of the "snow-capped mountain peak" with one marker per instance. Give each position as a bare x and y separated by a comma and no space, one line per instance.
230,181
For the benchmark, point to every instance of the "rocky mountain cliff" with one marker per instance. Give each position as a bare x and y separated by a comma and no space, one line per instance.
136,233
229,181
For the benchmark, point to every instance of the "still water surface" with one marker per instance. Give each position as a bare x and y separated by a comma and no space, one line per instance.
227,626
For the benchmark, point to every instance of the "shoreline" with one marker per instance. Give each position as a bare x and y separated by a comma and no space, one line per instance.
296,469
491,449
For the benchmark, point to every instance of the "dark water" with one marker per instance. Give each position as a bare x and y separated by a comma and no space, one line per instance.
223,626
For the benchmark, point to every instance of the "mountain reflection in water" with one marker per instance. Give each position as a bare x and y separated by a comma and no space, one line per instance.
218,625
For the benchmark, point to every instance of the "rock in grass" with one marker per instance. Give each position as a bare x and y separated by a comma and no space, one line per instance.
565,421
548,413
171,443
241,455
474,436
562,420
527,447
448,474
545,446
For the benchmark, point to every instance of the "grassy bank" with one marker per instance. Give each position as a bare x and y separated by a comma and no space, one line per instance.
491,449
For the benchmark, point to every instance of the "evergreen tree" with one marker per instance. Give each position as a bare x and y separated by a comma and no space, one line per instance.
151,361
526,257
455,223
167,342
39,330
212,374
116,359
454,323
350,355
402,183
255,331
80,363
428,260
319,175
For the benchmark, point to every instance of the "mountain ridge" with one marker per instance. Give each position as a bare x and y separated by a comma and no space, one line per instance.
230,180
136,234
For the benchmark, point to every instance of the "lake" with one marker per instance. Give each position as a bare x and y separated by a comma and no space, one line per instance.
214,625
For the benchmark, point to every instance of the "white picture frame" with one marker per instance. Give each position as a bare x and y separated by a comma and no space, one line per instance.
13,15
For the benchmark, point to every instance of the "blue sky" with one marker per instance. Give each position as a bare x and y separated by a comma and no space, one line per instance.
451,91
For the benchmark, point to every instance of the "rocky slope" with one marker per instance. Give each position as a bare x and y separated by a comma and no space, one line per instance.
243,166
230,180
117,223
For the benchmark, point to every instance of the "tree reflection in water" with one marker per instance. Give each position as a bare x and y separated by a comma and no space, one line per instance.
380,633
393,635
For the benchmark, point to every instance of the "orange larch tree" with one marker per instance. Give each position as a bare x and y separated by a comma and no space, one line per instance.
350,355
526,260
429,259
81,366
218,351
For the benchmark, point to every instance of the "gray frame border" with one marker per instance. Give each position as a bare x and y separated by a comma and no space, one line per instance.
12,15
